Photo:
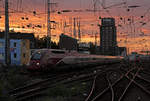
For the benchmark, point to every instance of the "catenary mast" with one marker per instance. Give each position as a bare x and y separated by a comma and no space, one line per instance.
7,40
48,25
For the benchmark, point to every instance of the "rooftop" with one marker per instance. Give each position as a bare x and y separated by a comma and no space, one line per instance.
18,35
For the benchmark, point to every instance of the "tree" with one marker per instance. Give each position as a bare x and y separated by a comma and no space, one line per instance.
42,43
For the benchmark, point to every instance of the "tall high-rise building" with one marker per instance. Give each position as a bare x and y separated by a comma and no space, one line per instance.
108,37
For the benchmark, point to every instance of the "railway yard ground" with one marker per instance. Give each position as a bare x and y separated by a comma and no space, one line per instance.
116,82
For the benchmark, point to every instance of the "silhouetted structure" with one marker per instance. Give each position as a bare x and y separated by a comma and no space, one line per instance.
19,47
15,35
108,38
68,43
42,43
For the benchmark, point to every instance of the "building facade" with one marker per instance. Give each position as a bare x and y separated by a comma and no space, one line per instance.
19,51
25,36
108,38
2,51
15,51
20,44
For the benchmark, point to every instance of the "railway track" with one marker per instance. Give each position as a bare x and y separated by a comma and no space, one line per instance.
114,85
38,88
28,92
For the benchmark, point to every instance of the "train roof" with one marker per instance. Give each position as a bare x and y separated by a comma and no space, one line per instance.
93,56
49,50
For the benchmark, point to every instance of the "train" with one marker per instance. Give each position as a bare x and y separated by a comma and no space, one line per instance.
50,59
135,57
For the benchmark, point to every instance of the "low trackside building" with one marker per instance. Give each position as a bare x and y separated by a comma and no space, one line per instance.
20,44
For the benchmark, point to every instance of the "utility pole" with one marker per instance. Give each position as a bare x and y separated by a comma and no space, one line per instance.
7,41
48,25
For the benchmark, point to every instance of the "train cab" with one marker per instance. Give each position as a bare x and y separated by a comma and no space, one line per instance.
45,58
35,60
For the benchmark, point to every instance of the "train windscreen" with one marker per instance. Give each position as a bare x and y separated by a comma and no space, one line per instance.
37,56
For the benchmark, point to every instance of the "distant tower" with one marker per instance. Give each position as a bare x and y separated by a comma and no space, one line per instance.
70,23
96,39
74,28
108,37
79,29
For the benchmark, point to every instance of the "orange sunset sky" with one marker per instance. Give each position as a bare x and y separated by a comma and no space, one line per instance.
133,23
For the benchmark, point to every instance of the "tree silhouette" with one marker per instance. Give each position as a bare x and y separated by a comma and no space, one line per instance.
42,43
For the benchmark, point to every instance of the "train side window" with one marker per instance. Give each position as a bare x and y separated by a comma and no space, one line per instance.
82,59
99,58
86,59
94,59
58,52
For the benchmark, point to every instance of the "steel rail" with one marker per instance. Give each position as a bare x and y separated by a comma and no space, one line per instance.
129,85
105,90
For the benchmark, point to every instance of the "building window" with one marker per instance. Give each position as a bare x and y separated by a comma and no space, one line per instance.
15,55
1,44
24,44
15,44
24,55
1,55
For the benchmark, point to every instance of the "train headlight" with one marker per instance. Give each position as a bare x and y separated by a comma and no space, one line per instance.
37,64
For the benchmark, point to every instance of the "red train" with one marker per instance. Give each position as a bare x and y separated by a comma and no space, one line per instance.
47,58
44,59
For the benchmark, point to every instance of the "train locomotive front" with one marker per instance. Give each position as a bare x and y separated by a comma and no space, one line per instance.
45,59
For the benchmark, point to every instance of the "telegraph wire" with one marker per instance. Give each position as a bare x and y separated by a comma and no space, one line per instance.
30,12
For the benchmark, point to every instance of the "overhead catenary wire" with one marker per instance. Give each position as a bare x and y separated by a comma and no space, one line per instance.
30,8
